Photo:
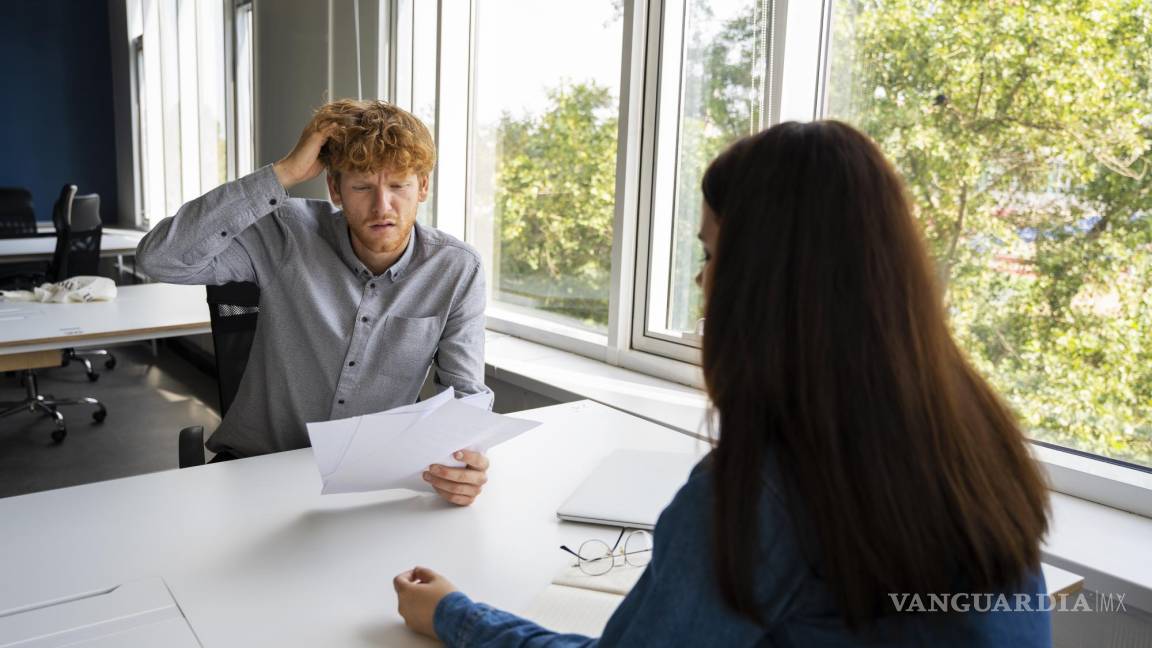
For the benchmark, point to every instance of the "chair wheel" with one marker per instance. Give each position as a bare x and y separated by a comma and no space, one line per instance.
110,363
58,435
93,377
99,415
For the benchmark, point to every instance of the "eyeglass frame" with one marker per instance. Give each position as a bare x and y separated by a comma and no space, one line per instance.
581,560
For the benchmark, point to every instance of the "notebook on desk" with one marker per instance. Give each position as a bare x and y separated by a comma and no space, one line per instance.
629,488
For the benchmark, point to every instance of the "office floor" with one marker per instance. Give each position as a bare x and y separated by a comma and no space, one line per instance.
148,399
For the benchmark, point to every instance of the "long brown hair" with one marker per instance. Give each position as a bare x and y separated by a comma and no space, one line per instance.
827,345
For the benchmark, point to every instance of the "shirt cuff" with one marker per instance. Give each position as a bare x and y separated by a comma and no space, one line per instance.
264,192
455,618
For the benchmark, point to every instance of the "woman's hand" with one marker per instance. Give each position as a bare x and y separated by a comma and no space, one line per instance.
419,591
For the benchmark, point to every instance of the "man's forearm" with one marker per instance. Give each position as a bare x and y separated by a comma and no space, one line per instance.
184,248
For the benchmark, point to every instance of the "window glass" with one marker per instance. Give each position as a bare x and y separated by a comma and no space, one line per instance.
1024,133
713,76
180,82
543,147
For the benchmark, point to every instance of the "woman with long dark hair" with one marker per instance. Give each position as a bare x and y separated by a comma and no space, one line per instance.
868,487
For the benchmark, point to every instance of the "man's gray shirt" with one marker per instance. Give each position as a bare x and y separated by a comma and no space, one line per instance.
332,340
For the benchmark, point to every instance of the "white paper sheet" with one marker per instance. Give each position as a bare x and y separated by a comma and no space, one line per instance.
392,449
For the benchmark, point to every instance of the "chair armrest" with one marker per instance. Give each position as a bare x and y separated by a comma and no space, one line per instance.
192,446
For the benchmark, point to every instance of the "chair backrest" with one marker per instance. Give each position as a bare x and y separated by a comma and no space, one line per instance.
85,213
78,233
234,308
17,217
62,209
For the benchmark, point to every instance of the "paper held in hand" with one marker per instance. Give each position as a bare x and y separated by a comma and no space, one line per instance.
392,449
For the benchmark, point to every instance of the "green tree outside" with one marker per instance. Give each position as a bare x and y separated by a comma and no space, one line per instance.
1023,130
555,202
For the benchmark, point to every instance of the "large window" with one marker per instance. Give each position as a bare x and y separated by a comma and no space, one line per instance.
573,136
1024,133
181,81
543,153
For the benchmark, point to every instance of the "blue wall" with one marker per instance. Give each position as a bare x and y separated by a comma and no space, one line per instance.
56,117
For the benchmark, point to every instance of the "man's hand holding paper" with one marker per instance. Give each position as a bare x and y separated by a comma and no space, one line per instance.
461,486
437,445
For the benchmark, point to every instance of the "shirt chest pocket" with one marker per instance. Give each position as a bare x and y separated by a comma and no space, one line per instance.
409,343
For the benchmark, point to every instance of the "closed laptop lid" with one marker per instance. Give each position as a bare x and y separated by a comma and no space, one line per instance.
629,488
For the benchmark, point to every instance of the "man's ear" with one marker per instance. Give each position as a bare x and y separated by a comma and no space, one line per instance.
334,190
423,195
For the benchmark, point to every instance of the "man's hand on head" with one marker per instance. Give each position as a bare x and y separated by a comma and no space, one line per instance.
303,163
460,486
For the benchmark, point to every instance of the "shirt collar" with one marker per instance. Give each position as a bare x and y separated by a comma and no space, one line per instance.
361,270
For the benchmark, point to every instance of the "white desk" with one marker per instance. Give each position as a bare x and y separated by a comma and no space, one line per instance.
113,243
256,557
141,312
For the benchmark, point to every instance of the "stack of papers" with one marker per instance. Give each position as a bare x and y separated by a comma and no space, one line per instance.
392,449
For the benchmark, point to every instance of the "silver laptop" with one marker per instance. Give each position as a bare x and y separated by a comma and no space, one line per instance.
629,488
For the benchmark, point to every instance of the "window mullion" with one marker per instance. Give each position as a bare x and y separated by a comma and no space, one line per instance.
631,134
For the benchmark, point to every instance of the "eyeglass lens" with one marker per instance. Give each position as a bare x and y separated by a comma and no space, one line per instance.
638,548
595,557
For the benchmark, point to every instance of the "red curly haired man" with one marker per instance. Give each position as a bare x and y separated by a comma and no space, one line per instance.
357,300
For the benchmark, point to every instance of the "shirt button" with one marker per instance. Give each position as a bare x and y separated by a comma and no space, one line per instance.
371,285
352,364
272,202
363,319
340,402
223,233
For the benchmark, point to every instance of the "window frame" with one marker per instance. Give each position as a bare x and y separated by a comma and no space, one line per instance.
656,220
175,151
234,90
139,139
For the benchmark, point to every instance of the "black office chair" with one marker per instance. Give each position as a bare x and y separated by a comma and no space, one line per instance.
233,308
78,231
17,218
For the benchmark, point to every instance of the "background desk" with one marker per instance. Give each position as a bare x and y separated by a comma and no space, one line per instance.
141,312
113,243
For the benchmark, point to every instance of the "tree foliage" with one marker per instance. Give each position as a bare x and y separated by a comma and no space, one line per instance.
555,186
1023,129
1024,132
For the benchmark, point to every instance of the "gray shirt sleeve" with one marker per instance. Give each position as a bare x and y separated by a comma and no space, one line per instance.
211,240
459,360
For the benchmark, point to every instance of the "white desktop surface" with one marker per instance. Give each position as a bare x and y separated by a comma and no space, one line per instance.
113,242
140,312
255,556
